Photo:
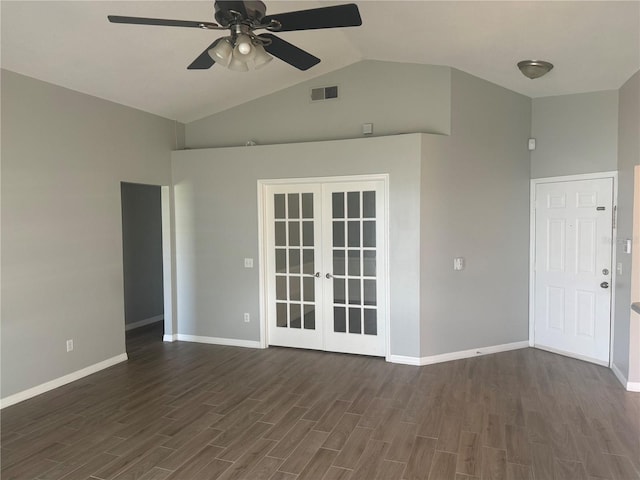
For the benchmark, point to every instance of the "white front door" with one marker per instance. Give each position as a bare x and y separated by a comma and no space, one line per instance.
572,286
325,245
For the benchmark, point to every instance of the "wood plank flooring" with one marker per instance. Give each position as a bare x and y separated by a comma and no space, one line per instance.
194,412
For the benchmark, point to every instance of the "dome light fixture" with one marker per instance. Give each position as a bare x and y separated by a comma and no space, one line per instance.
534,68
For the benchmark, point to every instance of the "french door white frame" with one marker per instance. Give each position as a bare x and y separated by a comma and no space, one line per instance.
532,247
262,244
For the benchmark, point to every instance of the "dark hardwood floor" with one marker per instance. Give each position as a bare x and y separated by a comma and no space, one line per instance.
194,412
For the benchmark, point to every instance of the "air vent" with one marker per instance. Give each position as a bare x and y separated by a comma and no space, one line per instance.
324,93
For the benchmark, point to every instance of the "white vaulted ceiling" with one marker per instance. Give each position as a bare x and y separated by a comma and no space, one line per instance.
594,46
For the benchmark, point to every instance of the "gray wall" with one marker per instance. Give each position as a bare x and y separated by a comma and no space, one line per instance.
142,251
217,226
395,97
475,204
629,157
64,155
575,134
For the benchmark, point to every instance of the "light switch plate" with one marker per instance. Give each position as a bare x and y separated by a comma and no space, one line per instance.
248,263
458,263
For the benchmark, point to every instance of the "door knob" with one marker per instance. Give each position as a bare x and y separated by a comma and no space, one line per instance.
329,276
317,275
604,284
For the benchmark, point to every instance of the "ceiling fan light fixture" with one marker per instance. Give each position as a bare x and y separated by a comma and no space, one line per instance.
534,68
222,52
238,65
244,47
261,57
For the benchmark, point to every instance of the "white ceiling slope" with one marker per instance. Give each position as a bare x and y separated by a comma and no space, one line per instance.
595,45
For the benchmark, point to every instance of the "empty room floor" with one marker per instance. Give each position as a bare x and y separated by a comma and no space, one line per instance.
191,411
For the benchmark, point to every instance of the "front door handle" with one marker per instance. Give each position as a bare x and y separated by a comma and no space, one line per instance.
604,285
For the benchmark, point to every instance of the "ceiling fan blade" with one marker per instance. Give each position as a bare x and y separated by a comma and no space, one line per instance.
204,60
161,22
285,51
326,17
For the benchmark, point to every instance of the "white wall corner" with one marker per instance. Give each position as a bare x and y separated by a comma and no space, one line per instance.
59,382
629,386
170,337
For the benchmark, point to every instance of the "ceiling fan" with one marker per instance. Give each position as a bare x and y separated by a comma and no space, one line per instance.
244,49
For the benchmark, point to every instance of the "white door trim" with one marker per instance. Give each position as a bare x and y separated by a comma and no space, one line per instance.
532,245
262,244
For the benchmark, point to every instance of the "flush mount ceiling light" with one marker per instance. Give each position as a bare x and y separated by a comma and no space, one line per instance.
534,68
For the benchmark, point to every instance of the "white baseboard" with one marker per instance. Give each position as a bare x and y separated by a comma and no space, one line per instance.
447,357
58,382
142,323
584,358
169,337
233,342
629,386
404,360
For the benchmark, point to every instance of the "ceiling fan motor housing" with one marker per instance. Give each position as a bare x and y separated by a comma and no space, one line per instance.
230,12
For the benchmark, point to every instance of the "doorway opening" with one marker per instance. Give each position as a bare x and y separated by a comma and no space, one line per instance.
142,264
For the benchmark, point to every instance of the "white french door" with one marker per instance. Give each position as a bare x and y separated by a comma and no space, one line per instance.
325,258
573,251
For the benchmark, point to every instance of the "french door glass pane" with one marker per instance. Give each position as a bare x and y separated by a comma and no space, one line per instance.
309,285
281,260
354,291
281,287
294,288
338,234
338,204
281,234
307,234
296,319
354,234
294,234
294,205
369,204
338,291
308,263
309,317
369,234
354,320
294,260
353,204
369,292
279,211
370,322
369,263
281,314
339,319
338,262
354,263
307,205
